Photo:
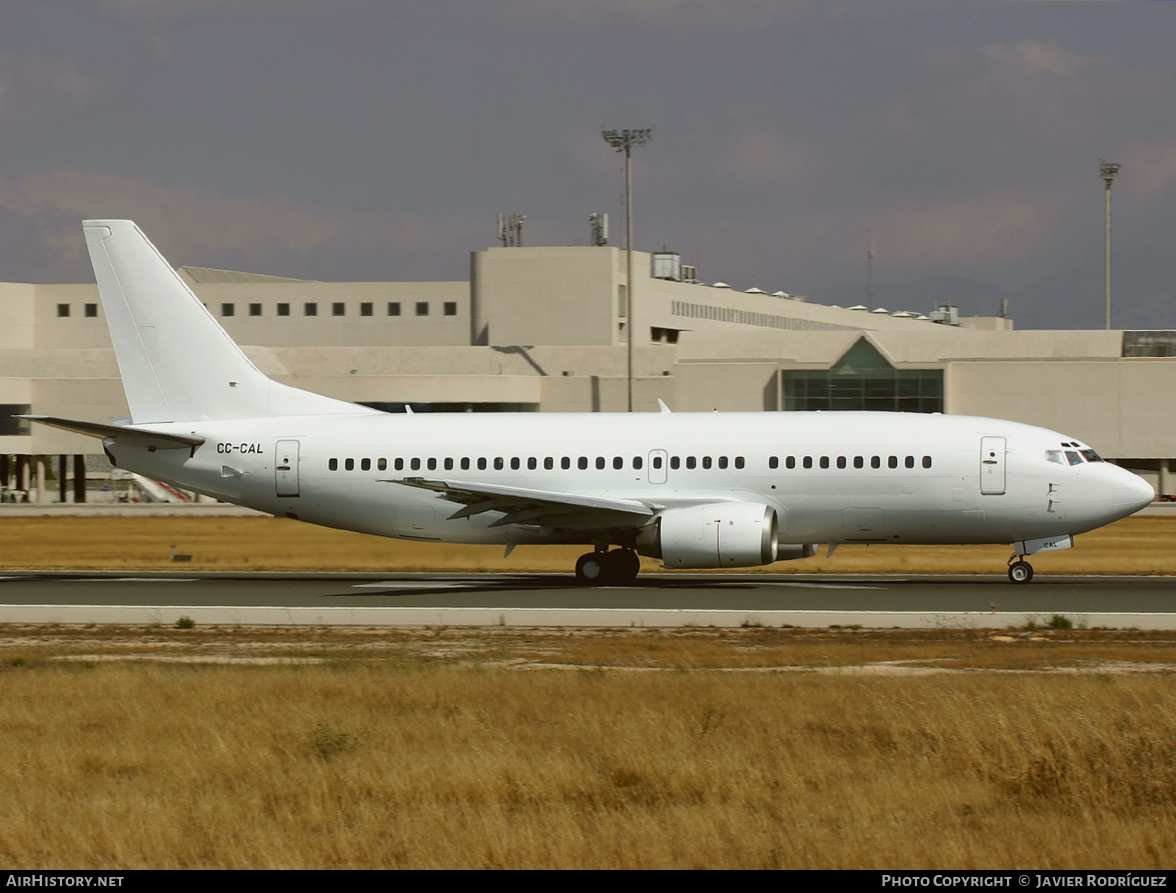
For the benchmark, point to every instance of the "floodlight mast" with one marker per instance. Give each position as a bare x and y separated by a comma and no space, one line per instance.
624,141
1108,171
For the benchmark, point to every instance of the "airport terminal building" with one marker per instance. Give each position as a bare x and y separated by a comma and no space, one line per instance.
543,329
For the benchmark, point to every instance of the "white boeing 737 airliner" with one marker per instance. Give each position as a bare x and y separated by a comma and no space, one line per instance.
694,490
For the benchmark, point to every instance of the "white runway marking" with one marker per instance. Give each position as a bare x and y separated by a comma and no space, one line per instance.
825,586
138,580
24,578
411,584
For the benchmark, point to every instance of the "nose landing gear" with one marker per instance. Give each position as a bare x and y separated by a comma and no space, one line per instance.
605,568
1020,570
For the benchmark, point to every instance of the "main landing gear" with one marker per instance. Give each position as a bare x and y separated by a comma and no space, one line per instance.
605,568
1020,570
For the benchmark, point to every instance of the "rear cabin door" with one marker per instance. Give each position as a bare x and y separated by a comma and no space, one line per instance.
286,467
992,466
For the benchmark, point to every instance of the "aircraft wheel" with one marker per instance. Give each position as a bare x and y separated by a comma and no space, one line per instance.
1020,572
590,568
624,565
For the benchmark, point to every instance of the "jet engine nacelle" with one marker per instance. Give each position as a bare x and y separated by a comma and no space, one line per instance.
793,551
726,534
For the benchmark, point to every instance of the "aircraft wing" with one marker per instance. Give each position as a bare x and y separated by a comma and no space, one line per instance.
151,440
540,508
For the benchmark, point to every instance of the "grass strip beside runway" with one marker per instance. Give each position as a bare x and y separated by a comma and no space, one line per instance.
244,748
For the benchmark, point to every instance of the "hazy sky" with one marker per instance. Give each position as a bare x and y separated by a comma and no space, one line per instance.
372,139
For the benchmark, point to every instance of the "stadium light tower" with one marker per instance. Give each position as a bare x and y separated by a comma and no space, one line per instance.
624,141
1108,171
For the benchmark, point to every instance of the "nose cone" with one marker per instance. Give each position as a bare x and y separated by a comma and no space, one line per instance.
1130,492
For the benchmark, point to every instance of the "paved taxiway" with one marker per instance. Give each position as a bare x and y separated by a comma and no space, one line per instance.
549,599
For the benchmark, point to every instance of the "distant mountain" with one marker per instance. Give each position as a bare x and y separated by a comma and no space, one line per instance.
1143,294
974,297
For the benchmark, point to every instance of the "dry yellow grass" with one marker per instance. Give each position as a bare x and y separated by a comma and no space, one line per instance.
426,750
1144,545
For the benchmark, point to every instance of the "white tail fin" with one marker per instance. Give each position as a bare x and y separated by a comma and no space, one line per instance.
177,363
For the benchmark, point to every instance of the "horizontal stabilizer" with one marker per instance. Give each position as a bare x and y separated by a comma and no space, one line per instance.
151,440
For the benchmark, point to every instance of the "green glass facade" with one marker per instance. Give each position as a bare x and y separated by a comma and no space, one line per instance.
863,380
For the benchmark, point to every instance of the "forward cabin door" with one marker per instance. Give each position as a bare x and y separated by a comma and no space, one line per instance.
286,467
992,466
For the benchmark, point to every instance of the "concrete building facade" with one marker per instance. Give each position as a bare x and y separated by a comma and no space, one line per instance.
544,329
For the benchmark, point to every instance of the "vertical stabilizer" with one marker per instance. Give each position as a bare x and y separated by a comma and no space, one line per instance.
177,363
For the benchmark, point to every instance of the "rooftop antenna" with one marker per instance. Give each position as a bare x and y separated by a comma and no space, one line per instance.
869,263
510,230
599,225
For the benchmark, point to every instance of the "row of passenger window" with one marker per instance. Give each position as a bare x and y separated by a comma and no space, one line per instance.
846,461
338,308
500,463
677,462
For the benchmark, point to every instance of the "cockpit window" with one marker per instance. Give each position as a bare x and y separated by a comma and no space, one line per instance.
1091,456
1073,458
1055,456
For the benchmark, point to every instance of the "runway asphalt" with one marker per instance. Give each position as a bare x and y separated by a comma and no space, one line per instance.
556,600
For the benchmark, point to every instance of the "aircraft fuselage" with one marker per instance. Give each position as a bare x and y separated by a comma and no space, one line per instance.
831,477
